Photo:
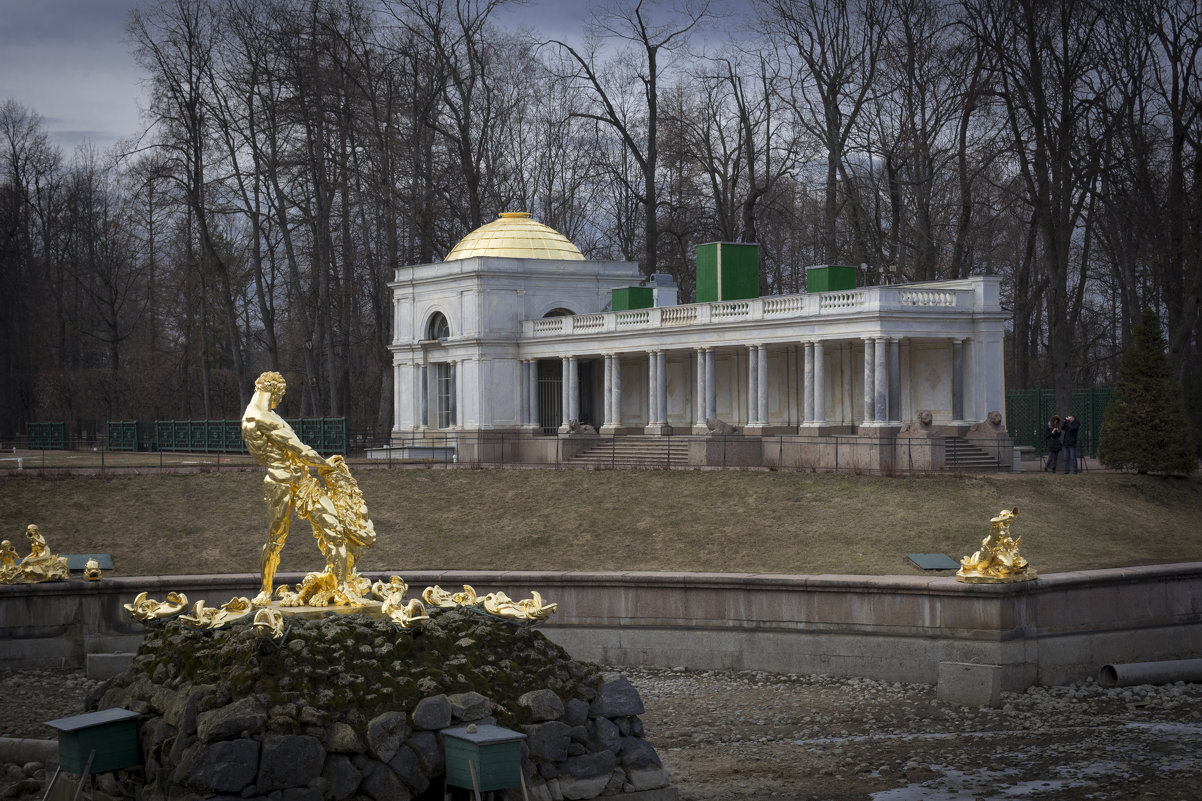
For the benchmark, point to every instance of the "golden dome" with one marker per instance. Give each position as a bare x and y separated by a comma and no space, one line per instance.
515,236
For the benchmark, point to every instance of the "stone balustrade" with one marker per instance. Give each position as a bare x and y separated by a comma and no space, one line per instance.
908,298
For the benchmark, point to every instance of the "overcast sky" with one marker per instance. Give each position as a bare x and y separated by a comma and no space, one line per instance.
69,61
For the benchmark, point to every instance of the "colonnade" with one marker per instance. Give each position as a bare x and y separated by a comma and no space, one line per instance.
882,387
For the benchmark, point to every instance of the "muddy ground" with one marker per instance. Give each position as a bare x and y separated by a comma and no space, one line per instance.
758,735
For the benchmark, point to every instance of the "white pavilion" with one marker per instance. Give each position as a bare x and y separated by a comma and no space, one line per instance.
513,337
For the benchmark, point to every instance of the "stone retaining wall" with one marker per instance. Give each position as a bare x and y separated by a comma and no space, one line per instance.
1055,630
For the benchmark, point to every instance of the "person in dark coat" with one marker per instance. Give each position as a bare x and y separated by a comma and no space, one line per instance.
1051,437
1068,439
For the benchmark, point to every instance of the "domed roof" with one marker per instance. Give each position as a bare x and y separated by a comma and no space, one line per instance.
515,235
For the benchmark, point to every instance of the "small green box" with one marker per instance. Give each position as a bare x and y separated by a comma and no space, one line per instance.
632,297
831,278
728,271
493,753
111,733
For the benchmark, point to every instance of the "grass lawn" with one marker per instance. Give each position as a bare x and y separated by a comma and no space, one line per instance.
762,522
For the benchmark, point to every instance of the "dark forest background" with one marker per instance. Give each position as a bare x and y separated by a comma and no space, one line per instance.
296,151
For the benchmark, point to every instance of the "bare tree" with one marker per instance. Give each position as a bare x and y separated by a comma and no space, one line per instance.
837,44
1044,59
639,134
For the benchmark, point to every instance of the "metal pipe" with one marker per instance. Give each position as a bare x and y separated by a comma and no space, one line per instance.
1133,673
19,750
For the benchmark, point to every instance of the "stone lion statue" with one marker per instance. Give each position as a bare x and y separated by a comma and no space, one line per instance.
990,427
920,426
577,427
720,428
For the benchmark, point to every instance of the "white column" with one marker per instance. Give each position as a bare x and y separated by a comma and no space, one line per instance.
607,393
454,393
565,403
762,386
894,412
423,401
661,387
819,384
882,380
398,381
753,385
616,390
869,377
533,393
711,385
807,378
957,379
847,412
652,386
574,389
523,388
699,396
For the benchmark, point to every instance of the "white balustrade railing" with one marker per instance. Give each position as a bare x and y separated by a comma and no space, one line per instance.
678,315
784,304
624,319
776,307
926,297
730,309
588,322
840,300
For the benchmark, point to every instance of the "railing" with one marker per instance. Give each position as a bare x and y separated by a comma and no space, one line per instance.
730,309
588,322
840,300
797,452
906,298
926,297
678,315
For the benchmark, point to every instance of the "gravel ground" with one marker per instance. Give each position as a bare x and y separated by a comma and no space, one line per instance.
760,735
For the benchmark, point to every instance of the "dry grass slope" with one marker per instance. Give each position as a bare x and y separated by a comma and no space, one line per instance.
624,520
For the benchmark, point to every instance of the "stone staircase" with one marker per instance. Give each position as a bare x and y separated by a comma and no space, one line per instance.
646,452
962,455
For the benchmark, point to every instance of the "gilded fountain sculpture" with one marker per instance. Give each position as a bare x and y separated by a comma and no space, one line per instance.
333,504
998,560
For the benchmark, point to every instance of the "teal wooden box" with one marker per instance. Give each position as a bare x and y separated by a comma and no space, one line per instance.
111,733
493,752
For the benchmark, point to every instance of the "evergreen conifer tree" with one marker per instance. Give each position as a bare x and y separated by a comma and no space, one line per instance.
1145,427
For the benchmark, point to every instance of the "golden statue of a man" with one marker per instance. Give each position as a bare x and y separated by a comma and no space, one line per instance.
335,510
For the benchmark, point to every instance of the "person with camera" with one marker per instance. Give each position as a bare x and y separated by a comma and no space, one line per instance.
1068,439
1051,437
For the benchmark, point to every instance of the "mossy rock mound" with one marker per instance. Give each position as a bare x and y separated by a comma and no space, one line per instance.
350,706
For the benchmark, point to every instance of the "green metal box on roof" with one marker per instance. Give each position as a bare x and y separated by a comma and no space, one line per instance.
632,297
111,733
830,278
483,757
728,271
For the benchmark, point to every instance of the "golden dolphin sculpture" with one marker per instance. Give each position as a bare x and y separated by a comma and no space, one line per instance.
146,608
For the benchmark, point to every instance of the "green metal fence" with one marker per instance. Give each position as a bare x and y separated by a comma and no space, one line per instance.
46,436
1028,412
324,434
123,436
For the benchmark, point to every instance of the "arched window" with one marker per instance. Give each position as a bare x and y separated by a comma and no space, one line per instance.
560,312
438,327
